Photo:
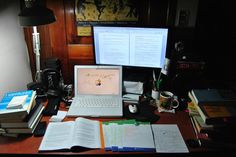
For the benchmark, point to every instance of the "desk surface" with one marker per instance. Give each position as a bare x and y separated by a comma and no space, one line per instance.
30,144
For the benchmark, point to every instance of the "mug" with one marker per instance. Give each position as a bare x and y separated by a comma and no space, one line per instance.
168,100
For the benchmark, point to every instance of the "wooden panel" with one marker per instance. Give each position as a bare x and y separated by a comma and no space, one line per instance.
57,29
70,21
79,54
57,33
45,44
80,51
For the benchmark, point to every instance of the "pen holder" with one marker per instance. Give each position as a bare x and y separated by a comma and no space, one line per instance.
155,94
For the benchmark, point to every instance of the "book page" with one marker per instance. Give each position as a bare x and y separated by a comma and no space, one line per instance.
57,136
86,133
168,139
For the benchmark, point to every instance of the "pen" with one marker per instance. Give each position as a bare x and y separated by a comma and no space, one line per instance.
159,80
158,84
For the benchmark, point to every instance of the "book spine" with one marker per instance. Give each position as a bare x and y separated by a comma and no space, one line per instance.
198,134
25,130
201,113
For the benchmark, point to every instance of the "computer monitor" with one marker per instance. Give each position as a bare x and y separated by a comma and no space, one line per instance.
130,46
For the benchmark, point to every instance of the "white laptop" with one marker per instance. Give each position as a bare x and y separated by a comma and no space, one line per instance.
98,91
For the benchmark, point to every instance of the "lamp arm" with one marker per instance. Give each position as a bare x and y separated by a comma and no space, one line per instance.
36,46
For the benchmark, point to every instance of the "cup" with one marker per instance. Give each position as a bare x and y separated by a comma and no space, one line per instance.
168,101
155,94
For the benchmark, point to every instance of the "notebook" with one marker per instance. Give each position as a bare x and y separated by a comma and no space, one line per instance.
98,91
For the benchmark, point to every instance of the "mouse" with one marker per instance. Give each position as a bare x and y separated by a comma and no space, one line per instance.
133,108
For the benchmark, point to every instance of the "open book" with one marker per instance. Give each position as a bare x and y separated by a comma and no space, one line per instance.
66,135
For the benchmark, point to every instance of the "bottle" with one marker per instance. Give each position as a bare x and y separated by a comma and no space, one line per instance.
154,91
162,81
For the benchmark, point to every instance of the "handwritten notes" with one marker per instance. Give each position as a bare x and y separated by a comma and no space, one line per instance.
168,139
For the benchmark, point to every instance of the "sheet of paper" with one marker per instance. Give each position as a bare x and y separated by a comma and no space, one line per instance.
168,139
131,97
133,87
59,117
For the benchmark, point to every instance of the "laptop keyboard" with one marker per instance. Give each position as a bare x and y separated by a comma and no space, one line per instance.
98,102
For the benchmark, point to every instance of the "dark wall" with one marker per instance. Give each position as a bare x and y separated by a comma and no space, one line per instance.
216,39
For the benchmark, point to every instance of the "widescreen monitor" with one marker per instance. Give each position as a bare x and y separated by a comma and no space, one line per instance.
130,46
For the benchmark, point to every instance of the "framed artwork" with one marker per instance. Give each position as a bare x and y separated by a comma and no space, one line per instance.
92,12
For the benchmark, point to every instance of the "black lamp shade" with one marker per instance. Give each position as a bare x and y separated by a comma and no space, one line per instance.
35,16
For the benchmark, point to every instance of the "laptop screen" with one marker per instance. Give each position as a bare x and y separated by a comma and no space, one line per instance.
97,80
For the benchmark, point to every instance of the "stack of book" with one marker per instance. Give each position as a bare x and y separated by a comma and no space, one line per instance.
213,114
19,113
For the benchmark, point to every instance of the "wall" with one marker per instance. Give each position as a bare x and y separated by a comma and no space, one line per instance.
14,61
186,13
216,40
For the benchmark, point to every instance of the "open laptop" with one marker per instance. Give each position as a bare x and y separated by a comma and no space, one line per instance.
98,91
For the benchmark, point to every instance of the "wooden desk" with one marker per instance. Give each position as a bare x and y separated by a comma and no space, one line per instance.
25,145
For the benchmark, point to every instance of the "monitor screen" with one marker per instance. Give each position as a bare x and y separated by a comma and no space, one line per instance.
130,46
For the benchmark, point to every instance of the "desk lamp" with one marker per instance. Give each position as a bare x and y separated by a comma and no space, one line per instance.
33,15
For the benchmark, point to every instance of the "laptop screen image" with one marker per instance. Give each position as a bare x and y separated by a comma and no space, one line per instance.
98,81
